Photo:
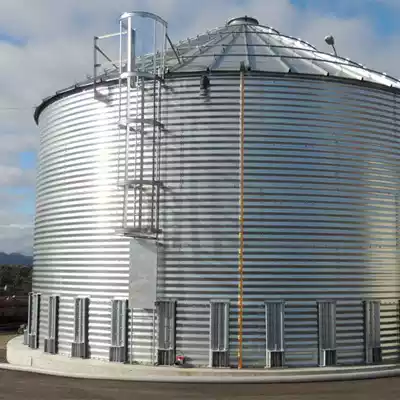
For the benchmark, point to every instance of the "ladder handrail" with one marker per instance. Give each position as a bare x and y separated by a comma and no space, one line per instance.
141,84
144,14
136,82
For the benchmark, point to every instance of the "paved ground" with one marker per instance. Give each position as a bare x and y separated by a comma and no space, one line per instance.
4,338
22,386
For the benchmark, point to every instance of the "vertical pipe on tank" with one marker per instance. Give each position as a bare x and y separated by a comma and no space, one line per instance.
141,162
155,48
164,50
241,222
153,156
121,52
153,340
158,143
129,69
95,63
397,205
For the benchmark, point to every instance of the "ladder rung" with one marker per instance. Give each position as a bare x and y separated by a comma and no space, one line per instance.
110,35
140,233
137,182
140,74
131,128
146,121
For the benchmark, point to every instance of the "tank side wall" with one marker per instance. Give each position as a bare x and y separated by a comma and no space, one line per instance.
77,251
199,209
321,180
321,214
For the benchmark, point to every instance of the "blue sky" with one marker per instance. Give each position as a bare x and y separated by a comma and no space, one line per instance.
381,15
46,45
14,40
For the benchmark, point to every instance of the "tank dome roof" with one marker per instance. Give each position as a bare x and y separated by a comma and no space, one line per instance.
263,48
242,40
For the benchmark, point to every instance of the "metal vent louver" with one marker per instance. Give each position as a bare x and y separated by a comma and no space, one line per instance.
31,335
80,343
166,312
327,333
372,324
26,337
28,325
51,342
219,334
119,330
274,329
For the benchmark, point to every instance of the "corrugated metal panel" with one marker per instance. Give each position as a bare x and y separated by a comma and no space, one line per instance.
320,215
390,331
79,208
143,348
321,174
199,209
301,334
350,333
262,49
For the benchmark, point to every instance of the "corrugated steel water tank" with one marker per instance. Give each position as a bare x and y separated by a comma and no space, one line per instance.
240,129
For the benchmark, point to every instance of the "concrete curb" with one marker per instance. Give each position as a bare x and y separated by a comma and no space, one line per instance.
326,377
23,359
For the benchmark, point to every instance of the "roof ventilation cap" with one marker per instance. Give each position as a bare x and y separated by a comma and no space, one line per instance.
242,21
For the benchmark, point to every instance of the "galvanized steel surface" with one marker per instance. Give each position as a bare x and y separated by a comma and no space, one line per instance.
321,213
77,251
260,47
264,49
321,179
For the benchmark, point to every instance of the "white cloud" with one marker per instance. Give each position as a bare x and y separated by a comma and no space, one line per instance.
16,228
58,52
16,237
11,176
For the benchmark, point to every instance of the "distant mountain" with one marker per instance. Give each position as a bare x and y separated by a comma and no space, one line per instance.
15,259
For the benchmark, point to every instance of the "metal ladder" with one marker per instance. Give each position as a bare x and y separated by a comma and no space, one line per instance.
140,81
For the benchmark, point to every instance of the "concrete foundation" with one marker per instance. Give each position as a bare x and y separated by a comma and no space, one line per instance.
22,358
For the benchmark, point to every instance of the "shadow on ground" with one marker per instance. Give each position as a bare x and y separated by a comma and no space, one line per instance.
4,338
22,386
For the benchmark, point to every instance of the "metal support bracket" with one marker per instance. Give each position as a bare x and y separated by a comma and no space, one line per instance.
274,329
101,60
219,333
372,329
166,316
327,333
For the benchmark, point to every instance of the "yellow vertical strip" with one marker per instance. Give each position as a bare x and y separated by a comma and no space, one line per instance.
241,222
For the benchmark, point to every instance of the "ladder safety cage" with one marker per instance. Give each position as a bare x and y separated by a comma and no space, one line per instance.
31,334
81,328
51,341
119,330
219,333
372,329
327,333
275,330
140,80
166,344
